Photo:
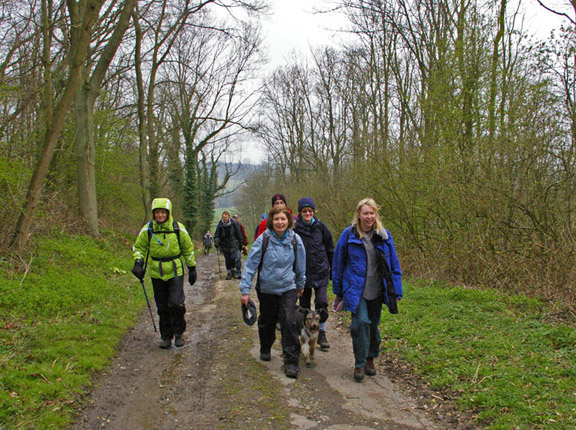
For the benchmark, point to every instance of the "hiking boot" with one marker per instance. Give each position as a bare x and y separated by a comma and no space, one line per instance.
229,275
237,275
322,341
359,374
165,343
179,340
265,356
291,370
370,367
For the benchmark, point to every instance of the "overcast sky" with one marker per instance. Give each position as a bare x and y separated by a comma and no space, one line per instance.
293,25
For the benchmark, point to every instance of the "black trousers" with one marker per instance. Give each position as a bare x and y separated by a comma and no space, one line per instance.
279,308
320,300
169,298
230,258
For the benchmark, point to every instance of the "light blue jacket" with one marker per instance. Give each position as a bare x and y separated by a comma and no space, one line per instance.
278,273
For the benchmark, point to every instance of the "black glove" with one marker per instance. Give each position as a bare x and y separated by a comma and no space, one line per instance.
192,275
138,269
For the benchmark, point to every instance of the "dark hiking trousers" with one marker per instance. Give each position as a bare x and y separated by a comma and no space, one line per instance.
230,258
279,308
169,298
320,301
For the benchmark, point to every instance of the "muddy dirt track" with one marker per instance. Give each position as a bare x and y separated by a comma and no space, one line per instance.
217,380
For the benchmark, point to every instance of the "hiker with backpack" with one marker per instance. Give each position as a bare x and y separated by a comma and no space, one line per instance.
278,259
319,246
366,275
164,246
236,218
228,240
207,242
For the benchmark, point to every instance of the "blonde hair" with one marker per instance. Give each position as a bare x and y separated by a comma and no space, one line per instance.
356,221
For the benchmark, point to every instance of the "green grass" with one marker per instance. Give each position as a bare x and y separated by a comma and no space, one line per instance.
59,324
502,357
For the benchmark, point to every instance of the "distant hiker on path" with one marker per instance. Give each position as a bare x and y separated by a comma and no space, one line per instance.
236,218
319,252
278,259
228,240
365,275
164,246
207,242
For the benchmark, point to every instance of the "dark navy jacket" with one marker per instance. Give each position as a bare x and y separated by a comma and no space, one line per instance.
349,266
228,238
319,251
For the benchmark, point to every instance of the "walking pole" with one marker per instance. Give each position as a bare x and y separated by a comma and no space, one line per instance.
148,303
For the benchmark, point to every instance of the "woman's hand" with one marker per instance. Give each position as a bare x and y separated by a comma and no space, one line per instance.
338,304
299,292
244,299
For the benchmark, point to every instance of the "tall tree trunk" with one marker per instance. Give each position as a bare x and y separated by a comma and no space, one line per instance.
47,33
85,101
86,153
83,17
191,189
143,141
494,71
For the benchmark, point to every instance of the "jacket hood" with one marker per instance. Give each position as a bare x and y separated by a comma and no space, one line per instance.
382,233
287,236
163,203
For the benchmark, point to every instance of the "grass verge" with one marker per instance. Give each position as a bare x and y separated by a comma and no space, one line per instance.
60,321
502,358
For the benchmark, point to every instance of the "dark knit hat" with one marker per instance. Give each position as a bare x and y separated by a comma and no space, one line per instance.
306,202
278,197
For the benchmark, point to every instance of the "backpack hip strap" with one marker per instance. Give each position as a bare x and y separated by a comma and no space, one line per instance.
166,259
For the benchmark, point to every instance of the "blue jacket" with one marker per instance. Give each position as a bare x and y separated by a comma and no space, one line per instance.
278,273
349,266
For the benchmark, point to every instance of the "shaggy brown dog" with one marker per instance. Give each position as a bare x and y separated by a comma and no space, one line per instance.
308,325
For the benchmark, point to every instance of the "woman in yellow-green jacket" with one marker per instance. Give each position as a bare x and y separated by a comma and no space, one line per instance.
164,246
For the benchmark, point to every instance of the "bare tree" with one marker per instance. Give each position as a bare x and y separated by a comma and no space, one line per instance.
158,27
113,27
83,16
211,104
